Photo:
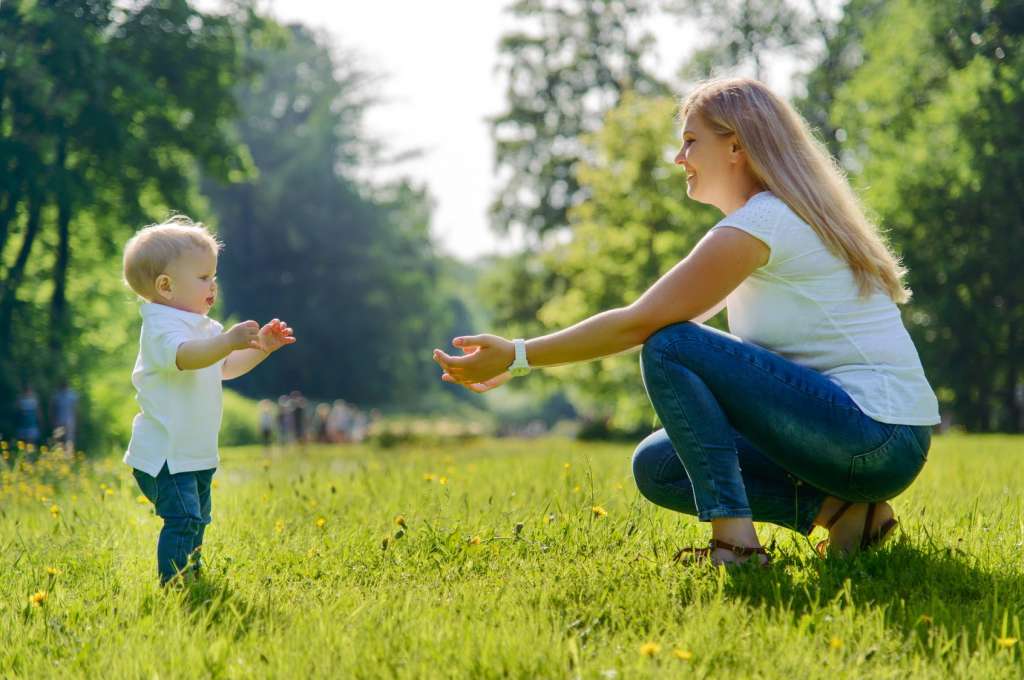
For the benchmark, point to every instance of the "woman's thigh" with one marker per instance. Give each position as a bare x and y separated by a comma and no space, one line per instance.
795,416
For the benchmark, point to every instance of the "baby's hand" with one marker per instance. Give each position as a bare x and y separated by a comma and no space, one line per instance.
244,335
275,335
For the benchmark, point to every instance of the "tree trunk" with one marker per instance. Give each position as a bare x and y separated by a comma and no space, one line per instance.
59,326
8,212
12,279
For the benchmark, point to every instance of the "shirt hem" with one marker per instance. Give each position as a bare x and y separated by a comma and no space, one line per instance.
173,466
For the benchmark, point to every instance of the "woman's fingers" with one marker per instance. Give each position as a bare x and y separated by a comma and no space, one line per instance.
447,360
471,341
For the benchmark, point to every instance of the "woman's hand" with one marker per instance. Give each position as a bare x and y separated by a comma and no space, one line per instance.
483,365
481,387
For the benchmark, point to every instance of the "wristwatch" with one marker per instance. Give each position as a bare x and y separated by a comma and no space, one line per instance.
520,366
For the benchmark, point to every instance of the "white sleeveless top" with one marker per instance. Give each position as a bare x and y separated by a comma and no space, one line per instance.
804,305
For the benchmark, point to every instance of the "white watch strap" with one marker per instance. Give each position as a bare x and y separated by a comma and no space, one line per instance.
520,365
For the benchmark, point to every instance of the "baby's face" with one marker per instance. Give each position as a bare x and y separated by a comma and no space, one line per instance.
193,281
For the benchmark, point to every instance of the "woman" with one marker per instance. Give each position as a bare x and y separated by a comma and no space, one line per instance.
815,410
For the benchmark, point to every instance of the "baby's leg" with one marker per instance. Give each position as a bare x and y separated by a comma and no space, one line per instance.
178,504
204,480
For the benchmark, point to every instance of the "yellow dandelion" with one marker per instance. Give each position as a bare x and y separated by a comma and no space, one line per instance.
54,510
599,511
682,654
53,571
429,476
835,643
442,480
38,599
320,522
400,521
141,498
1006,643
576,489
475,540
650,648
566,467
109,491
279,526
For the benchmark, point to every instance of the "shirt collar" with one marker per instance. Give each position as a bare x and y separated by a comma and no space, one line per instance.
154,309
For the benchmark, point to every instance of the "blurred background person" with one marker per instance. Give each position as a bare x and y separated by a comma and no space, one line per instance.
64,417
266,422
27,416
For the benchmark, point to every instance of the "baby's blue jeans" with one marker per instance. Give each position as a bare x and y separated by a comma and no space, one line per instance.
748,433
183,501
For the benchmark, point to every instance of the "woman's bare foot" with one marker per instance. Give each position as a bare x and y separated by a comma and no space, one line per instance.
737,531
845,535
724,556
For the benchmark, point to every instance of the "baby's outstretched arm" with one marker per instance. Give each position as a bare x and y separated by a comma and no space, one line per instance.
196,354
272,337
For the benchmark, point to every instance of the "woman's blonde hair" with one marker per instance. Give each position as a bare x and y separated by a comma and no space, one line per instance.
148,253
791,163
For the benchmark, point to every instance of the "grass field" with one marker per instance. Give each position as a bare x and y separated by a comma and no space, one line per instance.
517,559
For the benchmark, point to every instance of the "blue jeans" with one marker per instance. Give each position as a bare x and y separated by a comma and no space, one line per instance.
748,433
183,502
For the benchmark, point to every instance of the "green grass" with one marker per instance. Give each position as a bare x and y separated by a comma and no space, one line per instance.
573,594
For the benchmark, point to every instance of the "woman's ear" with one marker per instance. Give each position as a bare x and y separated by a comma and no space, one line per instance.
736,152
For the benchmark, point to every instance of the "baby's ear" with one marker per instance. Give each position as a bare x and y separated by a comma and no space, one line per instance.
162,285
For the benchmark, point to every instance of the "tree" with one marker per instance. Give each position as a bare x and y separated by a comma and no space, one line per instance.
99,132
561,78
351,267
934,118
636,224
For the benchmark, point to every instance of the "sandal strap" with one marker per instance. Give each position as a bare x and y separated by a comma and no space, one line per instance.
740,551
714,543
839,513
865,536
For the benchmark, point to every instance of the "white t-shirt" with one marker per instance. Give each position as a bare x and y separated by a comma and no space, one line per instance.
804,304
181,410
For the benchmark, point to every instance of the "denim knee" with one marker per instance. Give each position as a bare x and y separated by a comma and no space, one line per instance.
648,461
183,526
664,340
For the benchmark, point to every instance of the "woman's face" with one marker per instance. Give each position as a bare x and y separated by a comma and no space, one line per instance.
711,162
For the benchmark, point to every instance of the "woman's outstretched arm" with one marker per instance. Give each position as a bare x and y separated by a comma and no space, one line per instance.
719,263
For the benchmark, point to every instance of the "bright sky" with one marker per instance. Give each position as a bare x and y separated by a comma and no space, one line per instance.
440,86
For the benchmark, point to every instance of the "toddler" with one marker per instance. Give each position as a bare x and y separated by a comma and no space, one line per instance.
183,357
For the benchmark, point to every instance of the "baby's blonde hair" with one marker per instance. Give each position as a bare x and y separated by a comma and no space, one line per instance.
787,159
148,253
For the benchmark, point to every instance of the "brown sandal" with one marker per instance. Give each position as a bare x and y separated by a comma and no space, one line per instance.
693,555
867,539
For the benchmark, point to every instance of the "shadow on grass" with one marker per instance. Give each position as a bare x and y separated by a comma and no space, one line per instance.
919,588
214,604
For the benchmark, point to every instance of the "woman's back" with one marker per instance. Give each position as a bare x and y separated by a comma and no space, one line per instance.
804,305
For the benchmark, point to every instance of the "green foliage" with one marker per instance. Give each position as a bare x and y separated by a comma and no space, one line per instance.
240,421
351,267
635,226
561,79
100,132
934,118
504,570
